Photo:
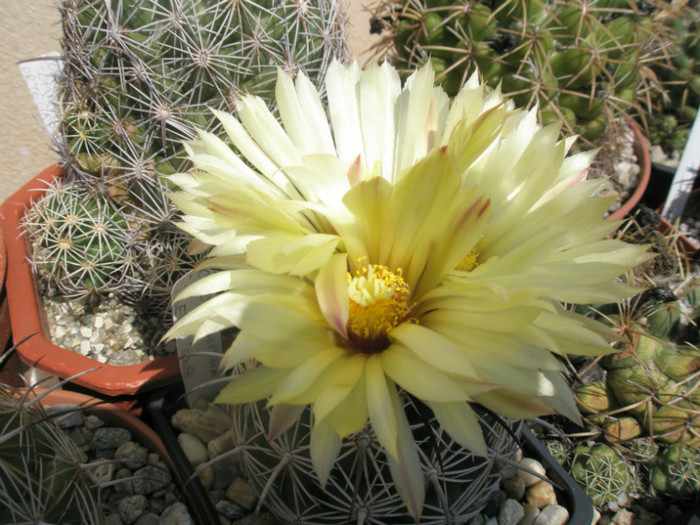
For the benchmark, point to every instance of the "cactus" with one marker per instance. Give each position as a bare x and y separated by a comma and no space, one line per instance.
42,479
84,243
139,77
676,472
603,472
360,489
676,107
583,62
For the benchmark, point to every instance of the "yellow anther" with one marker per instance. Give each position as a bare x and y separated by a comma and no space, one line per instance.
379,301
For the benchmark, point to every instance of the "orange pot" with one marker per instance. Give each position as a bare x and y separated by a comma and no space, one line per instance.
28,318
5,330
641,151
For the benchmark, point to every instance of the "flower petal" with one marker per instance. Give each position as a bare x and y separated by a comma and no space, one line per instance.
418,377
253,385
379,404
332,292
406,470
324,448
282,417
462,424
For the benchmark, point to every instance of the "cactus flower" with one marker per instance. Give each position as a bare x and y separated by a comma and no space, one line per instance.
396,240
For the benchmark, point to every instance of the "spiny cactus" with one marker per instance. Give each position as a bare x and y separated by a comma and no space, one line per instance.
140,76
41,474
603,472
676,107
360,489
584,62
83,242
677,472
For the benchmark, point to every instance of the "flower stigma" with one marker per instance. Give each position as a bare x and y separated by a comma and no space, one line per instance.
379,301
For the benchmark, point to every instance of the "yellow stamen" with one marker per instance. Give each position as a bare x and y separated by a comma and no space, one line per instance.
469,262
378,302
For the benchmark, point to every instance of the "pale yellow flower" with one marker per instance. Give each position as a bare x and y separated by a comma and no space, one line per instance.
411,243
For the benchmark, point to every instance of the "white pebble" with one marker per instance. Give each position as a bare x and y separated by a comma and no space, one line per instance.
534,466
193,448
552,515
85,347
85,331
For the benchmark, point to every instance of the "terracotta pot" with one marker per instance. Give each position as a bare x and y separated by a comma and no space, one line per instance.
28,318
5,330
641,151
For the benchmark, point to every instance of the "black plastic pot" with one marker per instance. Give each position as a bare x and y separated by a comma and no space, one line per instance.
569,493
159,409
165,402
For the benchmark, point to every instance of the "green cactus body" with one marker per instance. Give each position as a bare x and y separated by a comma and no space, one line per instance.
589,57
677,472
41,472
359,489
80,240
603,472
140,76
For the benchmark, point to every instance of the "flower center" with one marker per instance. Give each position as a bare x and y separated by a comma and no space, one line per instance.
378,303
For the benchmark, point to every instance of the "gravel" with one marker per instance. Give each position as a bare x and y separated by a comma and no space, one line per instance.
136,485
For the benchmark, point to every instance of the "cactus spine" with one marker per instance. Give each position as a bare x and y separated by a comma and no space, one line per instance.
139,77
583,62
360,489
42,479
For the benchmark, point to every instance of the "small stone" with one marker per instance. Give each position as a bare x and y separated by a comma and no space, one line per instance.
185,419
514,487
85,348
99,321
193,448
492,521
113,519
530,514
86,331
493,505
511,512
541,494
211,424
125,487
477,520
132,455
59,332
229,509
534,466
177,514
70,415
150,518
103,473
242,493
110,437
151,478
131,507
623,517
596,516
220,444
93,422
552,515
206,478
